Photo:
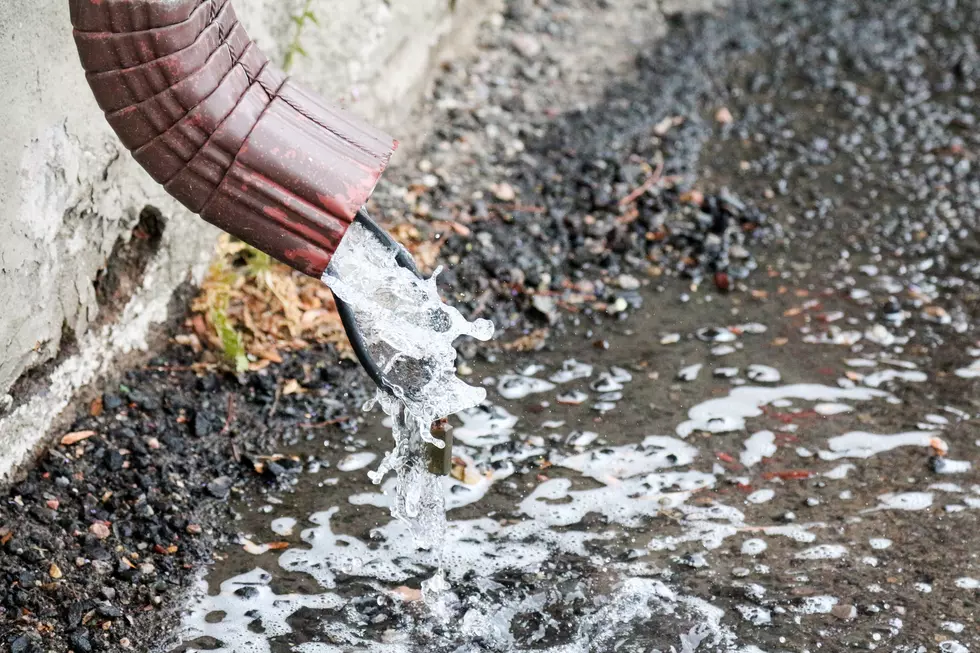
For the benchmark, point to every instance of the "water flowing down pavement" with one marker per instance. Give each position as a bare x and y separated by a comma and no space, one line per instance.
564,539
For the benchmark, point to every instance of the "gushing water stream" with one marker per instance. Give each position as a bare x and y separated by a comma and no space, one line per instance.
410,333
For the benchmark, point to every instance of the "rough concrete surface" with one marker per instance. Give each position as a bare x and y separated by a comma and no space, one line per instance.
69,193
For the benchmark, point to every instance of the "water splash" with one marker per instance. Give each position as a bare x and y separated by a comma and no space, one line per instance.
410,333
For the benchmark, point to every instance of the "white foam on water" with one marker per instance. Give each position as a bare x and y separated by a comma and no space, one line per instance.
972,502
633,600
608,382
834,336
581,439
555,503
639,481
752,328
690,373
603,407
903,501
410,332
480,546
823,552
758,446
570,371
573,398
905,365
802,533
754,614
484,425
859,444
877,379
959,414
763,374
727,414
832,409
712,525
239,597
351,639
949,466
818,604
754,546
283,526
517,386
356,461
840,472
761,496
532,369
611,463
971,371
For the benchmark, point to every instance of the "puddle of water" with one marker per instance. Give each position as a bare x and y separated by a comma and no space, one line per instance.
549,544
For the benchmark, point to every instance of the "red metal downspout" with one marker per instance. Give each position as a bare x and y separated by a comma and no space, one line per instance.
225,131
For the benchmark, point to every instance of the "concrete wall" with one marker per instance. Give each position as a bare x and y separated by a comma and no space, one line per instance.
69,193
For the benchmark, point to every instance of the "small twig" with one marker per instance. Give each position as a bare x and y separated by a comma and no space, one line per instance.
645,186
230,416
275,401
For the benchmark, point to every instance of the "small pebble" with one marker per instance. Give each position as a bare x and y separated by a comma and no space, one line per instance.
844,611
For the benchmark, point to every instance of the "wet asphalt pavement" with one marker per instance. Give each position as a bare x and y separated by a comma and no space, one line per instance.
809,168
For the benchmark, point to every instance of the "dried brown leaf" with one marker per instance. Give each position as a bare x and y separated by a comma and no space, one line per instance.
530,342
77,436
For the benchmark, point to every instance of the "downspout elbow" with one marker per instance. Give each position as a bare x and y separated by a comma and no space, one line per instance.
224,130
